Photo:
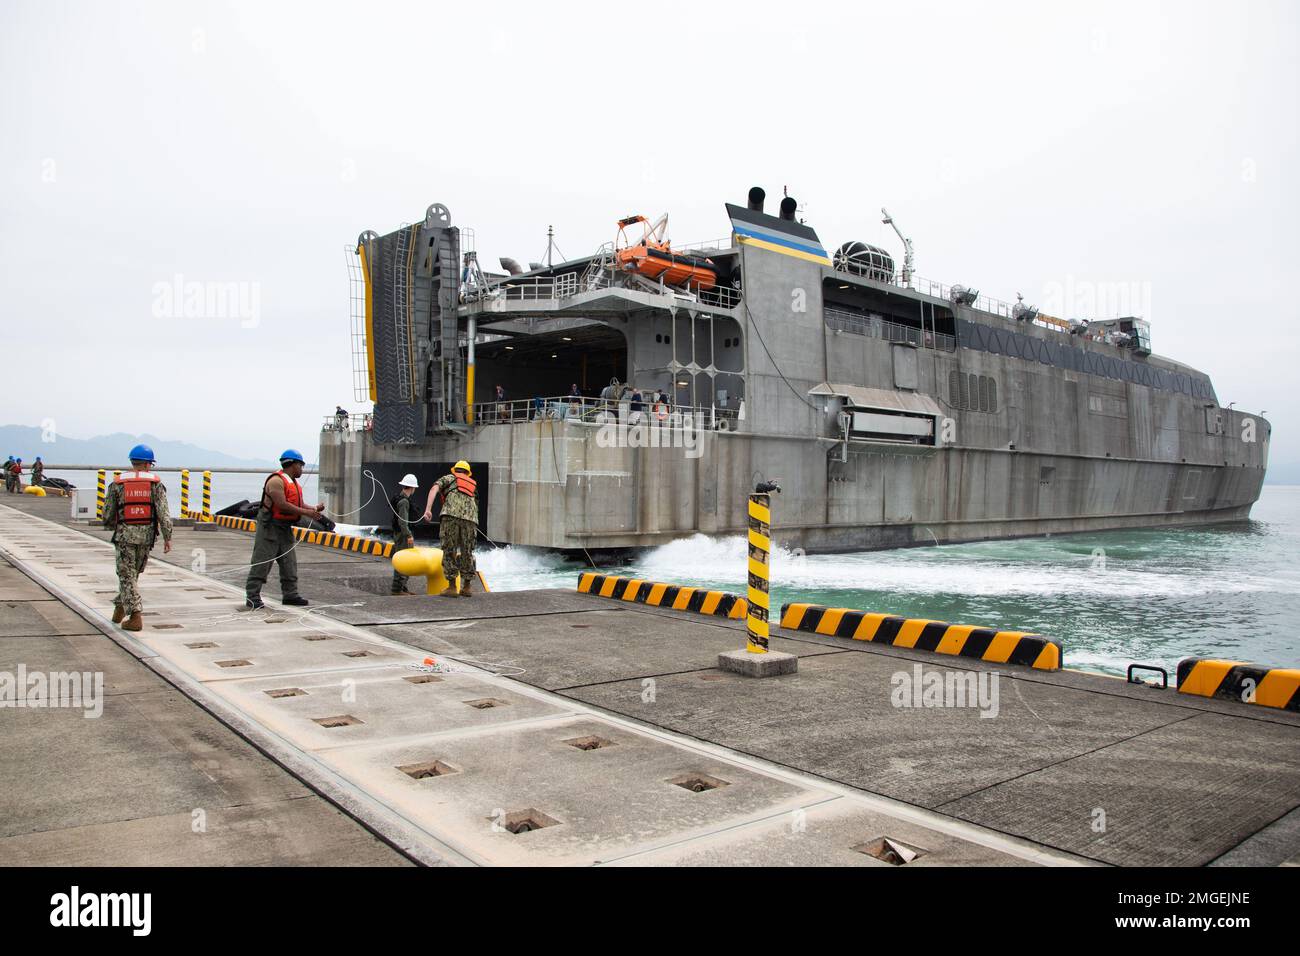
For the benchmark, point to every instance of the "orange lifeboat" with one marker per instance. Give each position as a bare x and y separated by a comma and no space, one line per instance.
652,257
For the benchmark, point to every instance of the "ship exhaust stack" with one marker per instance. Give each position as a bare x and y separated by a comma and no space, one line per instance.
788,208
756,197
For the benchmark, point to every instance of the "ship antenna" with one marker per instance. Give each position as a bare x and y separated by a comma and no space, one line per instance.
909,258
552,246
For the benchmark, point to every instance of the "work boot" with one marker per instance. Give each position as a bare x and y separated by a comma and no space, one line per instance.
133,623
450,592
119,612
465,589
296,601
253,604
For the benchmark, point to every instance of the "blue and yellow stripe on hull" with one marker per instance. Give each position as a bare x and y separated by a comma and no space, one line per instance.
781,244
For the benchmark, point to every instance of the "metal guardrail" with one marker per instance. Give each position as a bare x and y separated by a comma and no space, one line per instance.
354,423
604,411
598,274
889,331
983,303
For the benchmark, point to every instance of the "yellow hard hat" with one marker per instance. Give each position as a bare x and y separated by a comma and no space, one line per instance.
462,466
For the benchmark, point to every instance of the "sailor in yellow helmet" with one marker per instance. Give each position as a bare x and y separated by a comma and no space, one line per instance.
457,526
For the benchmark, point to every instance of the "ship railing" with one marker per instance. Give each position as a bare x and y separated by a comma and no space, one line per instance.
538,288
880,328
983,303
711,245
601,411
347,423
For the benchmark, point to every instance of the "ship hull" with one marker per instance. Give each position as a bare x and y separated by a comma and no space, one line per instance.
570,486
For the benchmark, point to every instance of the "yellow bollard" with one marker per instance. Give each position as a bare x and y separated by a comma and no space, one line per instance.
99,495
760,549
35,490
207,496
756,659
426,562
185,492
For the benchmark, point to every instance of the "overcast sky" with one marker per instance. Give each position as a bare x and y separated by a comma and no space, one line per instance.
1090,153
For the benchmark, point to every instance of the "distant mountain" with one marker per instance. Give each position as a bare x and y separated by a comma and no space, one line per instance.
24,441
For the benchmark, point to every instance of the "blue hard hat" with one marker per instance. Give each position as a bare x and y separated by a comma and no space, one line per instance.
290,454
141,453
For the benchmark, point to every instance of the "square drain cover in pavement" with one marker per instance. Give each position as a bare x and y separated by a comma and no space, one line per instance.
486,703
423,679
286,692
356,653
523,821
342,720
198,645
589,743
891,851
430,768
317,637
239,663
698,782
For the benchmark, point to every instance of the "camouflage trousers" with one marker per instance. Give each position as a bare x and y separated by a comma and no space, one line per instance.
399,580
131,559
11,483
457,538
272,544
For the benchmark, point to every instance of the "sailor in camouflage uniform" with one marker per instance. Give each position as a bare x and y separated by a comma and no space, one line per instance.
135,507
457,526
402,537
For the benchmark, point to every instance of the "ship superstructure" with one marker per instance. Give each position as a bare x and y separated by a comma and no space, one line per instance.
647,387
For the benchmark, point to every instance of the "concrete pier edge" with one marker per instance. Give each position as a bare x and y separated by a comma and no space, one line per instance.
380,820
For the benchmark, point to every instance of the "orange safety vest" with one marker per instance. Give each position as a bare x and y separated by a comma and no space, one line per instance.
136,504
292,494
464,484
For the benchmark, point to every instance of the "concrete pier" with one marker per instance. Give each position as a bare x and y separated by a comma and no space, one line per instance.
565,728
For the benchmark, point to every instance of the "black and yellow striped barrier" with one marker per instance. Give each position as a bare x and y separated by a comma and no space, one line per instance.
1236,680
760,551
185,493
326,539
207,496
99,495
960,640
656,594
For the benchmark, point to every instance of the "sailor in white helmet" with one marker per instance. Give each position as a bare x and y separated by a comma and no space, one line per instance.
402,537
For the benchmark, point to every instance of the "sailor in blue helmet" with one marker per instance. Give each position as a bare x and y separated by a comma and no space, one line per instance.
282,507
135,507
10,477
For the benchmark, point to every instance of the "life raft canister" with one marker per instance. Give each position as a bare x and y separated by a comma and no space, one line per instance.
136,507
292,494
465,484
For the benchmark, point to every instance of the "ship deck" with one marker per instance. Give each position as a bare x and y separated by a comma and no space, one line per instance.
804,767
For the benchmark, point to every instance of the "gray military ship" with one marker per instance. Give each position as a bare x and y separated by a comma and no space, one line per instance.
636,395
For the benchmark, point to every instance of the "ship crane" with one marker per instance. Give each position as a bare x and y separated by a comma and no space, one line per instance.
909,260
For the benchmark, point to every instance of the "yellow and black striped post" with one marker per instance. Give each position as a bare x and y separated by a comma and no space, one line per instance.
760,549
207,496
99,495
185,492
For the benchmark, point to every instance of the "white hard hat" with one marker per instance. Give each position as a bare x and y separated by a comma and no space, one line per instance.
410,482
